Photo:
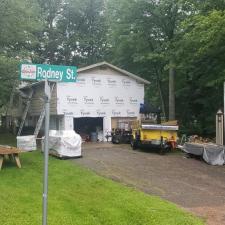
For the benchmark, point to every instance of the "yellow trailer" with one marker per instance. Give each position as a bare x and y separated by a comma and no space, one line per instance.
155,136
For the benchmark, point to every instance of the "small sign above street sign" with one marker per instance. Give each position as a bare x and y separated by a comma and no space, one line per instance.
51,72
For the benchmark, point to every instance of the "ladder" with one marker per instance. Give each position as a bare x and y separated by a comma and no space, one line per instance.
25,112
41,117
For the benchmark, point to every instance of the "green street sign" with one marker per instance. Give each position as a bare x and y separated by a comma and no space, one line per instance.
51,72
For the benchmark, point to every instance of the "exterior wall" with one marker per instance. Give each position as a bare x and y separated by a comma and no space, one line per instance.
106,127
37,103
65,122
95,95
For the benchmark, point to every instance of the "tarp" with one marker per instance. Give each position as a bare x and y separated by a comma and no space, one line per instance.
193,148
147,108
65,143
212,154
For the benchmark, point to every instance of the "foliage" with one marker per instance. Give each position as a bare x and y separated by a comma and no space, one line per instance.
19,24
147,37
200,57
80,197
143,36
84,26
49,31
75,32
8,67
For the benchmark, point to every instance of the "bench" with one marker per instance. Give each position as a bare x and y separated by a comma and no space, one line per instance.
11,152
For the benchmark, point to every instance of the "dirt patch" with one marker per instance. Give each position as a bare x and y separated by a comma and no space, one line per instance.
190,183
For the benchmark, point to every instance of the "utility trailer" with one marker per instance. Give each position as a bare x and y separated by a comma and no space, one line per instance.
162,137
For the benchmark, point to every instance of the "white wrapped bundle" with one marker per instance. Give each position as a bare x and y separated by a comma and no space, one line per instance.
65,143
26,143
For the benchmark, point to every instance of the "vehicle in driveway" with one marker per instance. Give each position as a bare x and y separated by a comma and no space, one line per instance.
121,136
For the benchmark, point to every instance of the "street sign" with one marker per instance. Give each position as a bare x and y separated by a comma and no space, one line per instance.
50,72
38,72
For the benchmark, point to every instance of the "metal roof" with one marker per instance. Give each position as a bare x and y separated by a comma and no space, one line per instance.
114,68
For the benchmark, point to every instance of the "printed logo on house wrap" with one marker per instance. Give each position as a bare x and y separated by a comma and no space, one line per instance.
71,100
133,101
84,113
96,82
88,100
130,113
104,101
68,113
126,83
111,82
116,113
101,113
81,81
119,100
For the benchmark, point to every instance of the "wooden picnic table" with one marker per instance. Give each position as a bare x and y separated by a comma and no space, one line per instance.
11,152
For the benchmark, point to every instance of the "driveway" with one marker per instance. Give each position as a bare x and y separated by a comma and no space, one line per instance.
190,183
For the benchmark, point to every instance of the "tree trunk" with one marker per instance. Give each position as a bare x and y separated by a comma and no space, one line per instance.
160,92
162,100
171,91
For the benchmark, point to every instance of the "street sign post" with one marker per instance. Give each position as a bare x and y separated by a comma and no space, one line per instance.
39,72
46,152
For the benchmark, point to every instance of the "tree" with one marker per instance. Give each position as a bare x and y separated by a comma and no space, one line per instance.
75,32
144,33
200,59
84,30
19,24
49,37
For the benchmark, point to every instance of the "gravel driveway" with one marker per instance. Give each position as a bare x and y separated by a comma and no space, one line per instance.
190,183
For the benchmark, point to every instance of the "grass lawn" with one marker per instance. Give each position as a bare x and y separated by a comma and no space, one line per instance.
77,196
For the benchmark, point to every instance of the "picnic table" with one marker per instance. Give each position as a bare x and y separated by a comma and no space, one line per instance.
11,152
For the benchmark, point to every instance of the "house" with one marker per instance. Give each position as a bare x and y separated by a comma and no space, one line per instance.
102,96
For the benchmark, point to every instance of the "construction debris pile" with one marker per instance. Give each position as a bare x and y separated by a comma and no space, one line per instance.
199,139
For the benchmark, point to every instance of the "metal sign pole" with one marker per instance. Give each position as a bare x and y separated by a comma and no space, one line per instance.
46,150
223,111
34,72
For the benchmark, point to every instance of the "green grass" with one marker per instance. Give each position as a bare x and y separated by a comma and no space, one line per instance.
77,196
